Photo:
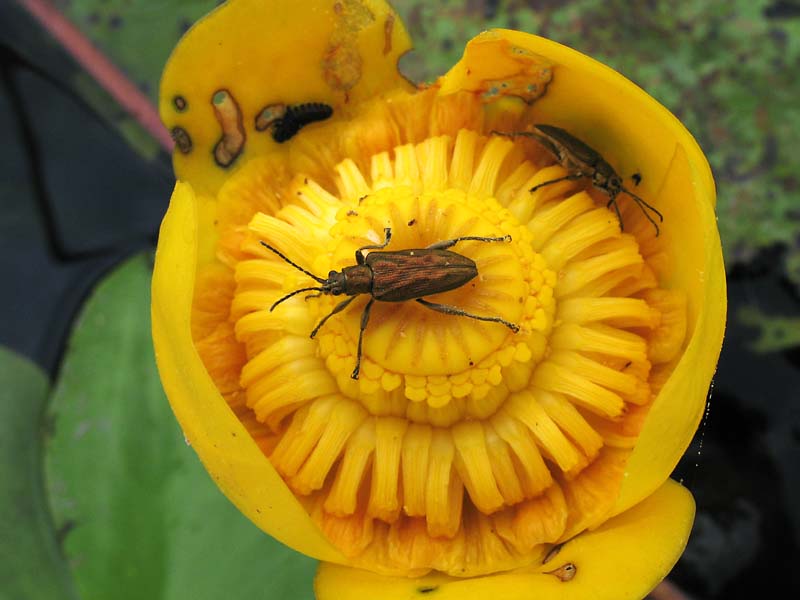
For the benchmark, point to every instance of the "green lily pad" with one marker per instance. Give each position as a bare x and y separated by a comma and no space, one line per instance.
143,518
31,566
136,36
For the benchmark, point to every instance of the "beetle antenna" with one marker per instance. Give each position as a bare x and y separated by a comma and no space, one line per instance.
287,296
513,133
645,207
295,265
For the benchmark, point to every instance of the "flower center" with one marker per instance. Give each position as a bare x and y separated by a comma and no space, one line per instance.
460,434
440,350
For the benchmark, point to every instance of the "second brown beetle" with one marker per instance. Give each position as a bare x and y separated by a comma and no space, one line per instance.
581,160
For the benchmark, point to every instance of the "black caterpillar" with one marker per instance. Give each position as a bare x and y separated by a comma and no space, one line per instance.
297,116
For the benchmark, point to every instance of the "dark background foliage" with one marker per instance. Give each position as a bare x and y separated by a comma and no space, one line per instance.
83,189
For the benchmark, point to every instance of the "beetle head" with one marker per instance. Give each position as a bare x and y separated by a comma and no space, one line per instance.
335,284
606,179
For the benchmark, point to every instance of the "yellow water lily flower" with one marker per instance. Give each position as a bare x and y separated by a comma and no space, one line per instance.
513,435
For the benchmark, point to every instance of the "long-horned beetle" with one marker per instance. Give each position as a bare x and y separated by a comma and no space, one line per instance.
397,276
581,161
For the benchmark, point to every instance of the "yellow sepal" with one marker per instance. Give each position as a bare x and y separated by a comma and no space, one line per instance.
623,559
229,454
250,54
636,134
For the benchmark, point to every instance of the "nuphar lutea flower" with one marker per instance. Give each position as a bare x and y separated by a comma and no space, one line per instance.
523,423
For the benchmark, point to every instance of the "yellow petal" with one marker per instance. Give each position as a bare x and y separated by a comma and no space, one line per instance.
636,134
623,559
230,455
679,406
249,55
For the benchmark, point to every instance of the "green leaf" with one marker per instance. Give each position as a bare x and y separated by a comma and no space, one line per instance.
31,566
137,36
144,518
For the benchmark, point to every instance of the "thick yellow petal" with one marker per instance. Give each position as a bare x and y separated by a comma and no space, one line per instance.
623,559
679,407
228,452
248,55
592,101
637,135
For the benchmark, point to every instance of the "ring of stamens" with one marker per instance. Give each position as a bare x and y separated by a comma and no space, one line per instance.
459,435
427,356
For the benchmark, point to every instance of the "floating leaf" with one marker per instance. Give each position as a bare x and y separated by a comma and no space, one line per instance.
143,519
137,36
31,566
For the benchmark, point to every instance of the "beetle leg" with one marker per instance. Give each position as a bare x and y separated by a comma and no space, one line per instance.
570,177
613,202
336,309
360,252
364,321
444,244
452,310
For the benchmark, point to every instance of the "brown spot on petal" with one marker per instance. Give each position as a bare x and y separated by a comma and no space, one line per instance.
427,589
388,28
341,63
341,66
268,115
229,116
180,103
565,572
182,140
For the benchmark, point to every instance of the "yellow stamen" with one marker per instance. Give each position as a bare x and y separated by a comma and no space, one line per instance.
597,275
484,179
475,467
502,465
343,497
579,234
433,155
383,500
444,490
308,425
344,419
571,422
599,338
555,215
536,521
549,437
620,312
414,462
531,469
461,166
665,342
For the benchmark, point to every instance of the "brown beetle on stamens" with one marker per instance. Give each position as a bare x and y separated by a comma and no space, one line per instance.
397,276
